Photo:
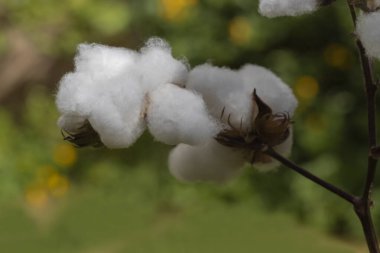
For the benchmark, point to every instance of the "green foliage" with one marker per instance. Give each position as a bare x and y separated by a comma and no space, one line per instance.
314,54
132,220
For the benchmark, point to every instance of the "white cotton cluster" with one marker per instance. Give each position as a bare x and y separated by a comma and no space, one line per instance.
367,28
208,162
121,92
277,8
98,91
109,88
228,95
176,115
229,92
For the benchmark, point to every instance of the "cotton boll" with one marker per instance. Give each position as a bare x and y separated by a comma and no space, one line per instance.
176,115
103,61
276,8
117,112
113,106
208,162
157,66
222,88
271,89
283,149
367,28
71,122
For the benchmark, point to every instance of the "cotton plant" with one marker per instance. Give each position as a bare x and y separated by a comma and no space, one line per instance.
236,98
114,94
220,119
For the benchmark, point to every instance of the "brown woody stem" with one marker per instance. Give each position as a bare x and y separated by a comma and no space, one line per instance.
337,191
363,206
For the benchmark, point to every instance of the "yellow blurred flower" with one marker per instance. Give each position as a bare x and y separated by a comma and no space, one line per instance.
58,185
65,155
174,9
240,30
44,172
306,88
36,196
337,56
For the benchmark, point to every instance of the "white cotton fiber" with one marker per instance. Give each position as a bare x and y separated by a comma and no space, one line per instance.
271,89
208,162
157,66
117,112
222,88
276,8
103,61
73,94
176,115
367,28
105,91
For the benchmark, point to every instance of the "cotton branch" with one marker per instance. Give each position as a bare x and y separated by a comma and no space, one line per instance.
341,193
363,207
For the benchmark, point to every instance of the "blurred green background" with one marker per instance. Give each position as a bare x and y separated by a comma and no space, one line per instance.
55,198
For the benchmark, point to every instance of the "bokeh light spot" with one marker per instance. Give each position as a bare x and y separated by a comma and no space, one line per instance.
306,88
36,197
65,155
174,9
337,56
58,185
240,30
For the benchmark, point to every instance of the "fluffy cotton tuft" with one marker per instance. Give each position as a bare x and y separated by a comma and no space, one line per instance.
271,89
157,66
367,28
208,162
223,90
105,92
231,91
176,115
103,61
276,8
109,86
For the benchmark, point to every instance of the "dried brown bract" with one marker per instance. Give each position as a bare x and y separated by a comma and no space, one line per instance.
85,136
266,130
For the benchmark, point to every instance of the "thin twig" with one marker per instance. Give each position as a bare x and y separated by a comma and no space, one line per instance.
363,206
341,193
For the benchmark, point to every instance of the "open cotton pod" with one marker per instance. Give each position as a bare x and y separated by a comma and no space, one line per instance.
254,107
113,107
101,102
